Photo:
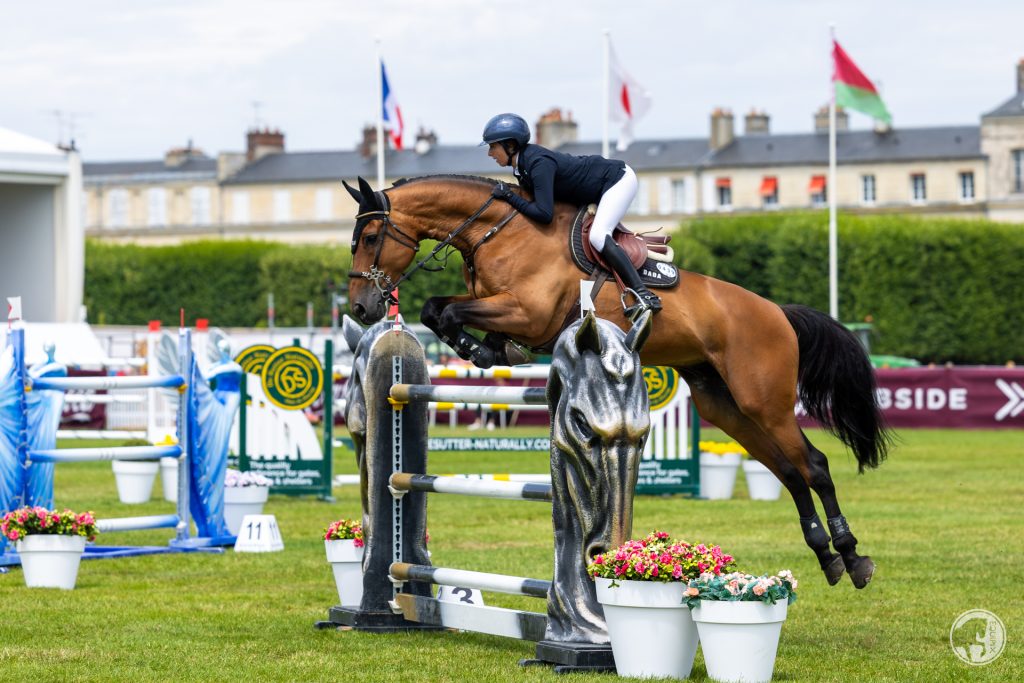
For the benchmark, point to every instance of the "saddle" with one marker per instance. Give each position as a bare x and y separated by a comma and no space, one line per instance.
649,254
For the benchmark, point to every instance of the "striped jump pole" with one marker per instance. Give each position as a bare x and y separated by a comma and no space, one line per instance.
404,481
517,372
101,434
138,523
105,454
443,576
107,383
417,393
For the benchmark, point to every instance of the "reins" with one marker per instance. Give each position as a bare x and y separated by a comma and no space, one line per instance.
382,281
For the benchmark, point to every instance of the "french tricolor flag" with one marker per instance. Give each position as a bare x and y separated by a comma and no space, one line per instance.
392,112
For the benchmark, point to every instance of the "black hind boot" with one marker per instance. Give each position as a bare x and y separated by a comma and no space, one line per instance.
615,257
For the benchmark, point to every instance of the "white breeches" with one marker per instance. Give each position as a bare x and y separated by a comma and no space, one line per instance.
612,207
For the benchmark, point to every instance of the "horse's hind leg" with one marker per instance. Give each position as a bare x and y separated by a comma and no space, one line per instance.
860,567
716,404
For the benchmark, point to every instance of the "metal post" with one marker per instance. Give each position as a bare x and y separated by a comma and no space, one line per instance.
328,419
185,460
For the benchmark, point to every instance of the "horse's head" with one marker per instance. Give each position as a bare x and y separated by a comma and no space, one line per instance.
381,251
600,410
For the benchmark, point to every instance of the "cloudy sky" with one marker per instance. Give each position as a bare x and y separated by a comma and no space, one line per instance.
136,78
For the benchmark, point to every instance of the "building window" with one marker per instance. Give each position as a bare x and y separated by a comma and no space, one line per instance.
679,196
117,207
240,207
282,206
723,187
157,215
818,190
867,190
770,192
967,186
200,203
918,190
324,205
1018,170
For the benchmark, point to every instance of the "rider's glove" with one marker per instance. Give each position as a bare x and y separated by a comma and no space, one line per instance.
502,191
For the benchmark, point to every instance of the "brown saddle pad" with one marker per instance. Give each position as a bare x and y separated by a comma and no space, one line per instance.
653,273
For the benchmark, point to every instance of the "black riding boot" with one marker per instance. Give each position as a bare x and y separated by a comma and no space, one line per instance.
615,257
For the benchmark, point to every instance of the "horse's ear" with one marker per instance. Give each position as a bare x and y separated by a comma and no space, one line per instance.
638,334
353,192
352,332
368,196
588,337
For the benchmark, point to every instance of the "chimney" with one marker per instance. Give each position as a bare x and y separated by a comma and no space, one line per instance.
260,143
1020,76
721,129
821,119
756,123
368,147
176,156
554,129
425,140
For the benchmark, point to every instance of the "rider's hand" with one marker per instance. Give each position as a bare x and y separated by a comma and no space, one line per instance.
502,191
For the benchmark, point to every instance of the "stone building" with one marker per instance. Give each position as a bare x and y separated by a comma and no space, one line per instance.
270,193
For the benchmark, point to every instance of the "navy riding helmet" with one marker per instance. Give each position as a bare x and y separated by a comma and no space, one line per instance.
506,127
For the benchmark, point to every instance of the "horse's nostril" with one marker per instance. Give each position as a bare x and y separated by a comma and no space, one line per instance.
359,310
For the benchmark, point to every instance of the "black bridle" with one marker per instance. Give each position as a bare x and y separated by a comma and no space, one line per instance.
380,279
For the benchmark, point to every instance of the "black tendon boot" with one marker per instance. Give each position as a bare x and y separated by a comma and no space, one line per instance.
615,257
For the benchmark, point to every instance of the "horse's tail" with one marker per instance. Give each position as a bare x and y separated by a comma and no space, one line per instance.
837,384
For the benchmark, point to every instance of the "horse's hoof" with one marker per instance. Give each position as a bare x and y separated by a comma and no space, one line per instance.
834,570
862,572
515,354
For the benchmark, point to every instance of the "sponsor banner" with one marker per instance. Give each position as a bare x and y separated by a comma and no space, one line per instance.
488,443
969,397
79,412
667,476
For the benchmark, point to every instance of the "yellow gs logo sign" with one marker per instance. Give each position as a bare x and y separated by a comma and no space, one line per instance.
292,378
662,384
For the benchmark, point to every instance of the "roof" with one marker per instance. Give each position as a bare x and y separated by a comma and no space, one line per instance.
139,171
315,166
904,144
1011,107
12,142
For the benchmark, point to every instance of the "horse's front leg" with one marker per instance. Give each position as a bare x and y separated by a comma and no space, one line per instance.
497,315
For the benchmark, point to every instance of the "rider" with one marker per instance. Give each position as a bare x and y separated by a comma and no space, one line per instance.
554,176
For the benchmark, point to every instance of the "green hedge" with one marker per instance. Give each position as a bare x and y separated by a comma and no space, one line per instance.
936,289
227,282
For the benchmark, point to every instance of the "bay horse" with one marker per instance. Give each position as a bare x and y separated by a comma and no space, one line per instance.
746,360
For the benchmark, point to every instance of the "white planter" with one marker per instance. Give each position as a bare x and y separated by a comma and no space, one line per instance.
135,479
718,475
761,483
739,639
50,561
169,478
240,501
652,633
347,561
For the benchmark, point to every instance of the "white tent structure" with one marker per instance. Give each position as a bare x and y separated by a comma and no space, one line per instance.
42,241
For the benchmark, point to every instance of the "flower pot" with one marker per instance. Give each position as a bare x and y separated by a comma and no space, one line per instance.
240,501
739,639
718,475
169,478
761,483
651,630
135,479
50,561
347,561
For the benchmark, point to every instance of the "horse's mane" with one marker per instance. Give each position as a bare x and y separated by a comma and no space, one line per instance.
455,177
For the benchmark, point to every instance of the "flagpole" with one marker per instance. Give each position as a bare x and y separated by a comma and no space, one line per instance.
380,117
605,148
833,239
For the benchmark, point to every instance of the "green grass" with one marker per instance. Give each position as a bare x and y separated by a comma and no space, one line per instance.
942,518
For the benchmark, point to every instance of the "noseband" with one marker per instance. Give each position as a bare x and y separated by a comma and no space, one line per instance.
380,279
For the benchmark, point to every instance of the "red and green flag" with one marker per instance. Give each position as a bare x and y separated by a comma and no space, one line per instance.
853,89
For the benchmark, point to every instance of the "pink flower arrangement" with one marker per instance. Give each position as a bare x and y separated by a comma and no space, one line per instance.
658,557
741,587
27,521
343,530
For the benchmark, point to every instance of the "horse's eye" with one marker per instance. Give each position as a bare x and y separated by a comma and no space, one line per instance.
370,240
579,422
